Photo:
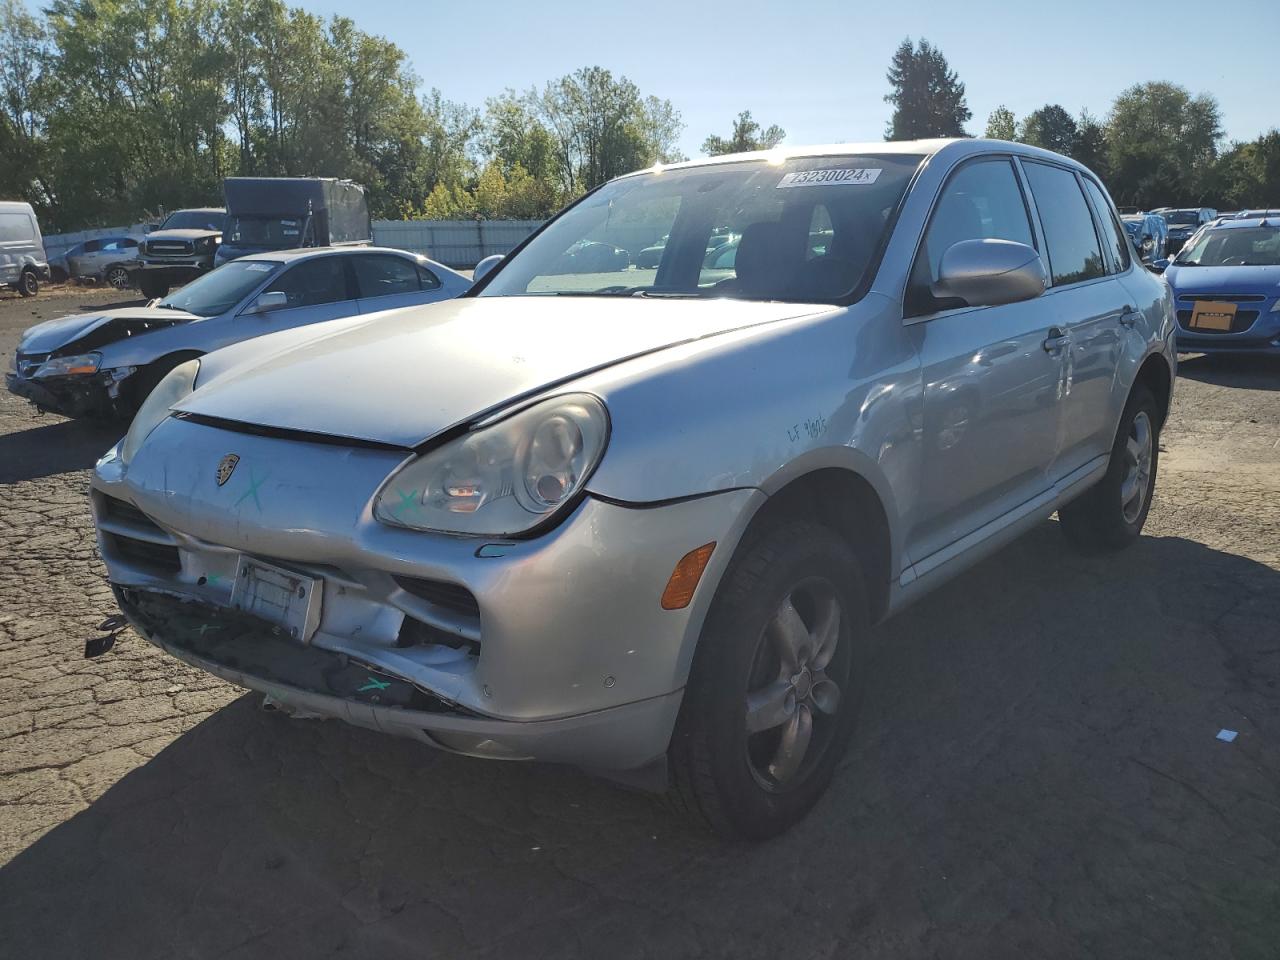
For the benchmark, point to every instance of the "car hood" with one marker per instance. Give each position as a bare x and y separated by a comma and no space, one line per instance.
181,234
55,334
1260,281
403,376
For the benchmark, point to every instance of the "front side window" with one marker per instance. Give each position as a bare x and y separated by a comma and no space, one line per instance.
313,282
748,230
981,201
1233,247
381,275
1115,234
15,227
220,290
1072,241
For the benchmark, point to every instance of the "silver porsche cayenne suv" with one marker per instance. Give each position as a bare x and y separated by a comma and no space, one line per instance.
641,519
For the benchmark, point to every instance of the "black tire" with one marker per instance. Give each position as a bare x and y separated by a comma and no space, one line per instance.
118,277
146,379
720,773
28,283
152,287
1105,518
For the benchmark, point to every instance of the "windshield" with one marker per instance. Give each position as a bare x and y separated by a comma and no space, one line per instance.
221,289
804,230
1233,247
192,220
1183,218
274,232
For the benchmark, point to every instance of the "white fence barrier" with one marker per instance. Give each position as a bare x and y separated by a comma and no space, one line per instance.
455,243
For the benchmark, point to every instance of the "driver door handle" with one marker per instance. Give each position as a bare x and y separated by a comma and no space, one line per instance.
1056,340
1130,316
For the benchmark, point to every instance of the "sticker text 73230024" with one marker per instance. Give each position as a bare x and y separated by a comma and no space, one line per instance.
829,176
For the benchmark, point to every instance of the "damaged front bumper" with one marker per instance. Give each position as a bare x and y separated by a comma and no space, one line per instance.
97,395
554,648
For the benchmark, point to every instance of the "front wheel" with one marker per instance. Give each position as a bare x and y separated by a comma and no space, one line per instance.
119,278
28,283
773,691
1110,515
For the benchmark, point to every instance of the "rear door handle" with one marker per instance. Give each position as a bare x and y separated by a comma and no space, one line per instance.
1056,340
1130,316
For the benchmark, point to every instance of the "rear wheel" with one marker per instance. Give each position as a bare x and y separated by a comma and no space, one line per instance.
28,283
1110,516
152,287
119,278
773,691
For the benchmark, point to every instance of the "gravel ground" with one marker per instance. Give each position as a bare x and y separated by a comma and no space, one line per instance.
1035,774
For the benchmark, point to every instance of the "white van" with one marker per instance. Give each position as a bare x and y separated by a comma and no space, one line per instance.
22,261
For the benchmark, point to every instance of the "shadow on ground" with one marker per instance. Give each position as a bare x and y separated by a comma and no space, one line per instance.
1240,371
58,446
1035,774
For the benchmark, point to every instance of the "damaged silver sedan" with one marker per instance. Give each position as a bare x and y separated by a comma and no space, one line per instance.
641,519
104,364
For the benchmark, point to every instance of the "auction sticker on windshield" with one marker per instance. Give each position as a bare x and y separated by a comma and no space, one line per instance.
829,176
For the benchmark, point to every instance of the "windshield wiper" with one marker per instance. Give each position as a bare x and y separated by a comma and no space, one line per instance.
667,295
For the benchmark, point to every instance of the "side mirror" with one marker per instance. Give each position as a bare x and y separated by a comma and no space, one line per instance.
267,302
147,228
484,267
988,273
1158,266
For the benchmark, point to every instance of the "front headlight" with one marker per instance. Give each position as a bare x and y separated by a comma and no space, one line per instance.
504,478
179,382
78,366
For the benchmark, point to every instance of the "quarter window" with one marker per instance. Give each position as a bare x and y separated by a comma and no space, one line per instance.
1117,240
381,276
313,282
981,201
1072,241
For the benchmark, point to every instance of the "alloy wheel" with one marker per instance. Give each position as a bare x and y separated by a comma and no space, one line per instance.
1136,484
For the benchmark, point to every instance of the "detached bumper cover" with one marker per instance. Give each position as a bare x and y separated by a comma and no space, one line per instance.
250,654
70,396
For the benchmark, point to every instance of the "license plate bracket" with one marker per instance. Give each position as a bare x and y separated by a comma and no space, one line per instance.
1213,315
284,597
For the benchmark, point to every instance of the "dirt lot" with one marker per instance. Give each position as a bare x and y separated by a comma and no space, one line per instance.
1036,772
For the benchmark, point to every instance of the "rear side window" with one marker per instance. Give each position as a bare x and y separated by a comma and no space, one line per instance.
1074,251
1112,230
379,275
981,201
429,280
15,227
313,282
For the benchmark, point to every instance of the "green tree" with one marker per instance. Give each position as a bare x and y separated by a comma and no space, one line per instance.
747,135
1248,174
1001,124
1161,145
928,98
24,58
1051,128
1091,144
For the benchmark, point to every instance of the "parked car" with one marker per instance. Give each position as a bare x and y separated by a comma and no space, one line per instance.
23,263
1183,222
1268,212
107,363
283,213
592,256
110,260
181,249
1226,284
1148,233
646,529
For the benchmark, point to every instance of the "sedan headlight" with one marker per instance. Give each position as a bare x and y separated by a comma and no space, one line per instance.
504,478
77,366
179,382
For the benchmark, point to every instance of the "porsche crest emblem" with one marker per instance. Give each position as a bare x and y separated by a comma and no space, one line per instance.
226,467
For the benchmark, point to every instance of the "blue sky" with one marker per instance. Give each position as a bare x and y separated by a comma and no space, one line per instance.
817,67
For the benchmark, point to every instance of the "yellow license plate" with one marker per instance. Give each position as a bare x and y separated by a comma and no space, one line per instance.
1211,315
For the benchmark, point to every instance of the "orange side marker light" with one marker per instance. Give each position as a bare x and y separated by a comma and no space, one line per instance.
685,577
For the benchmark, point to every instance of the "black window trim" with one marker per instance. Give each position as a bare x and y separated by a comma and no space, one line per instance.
1088,205
1028,205
1101,220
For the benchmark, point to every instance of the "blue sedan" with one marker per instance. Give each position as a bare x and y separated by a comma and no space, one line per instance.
1226,286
